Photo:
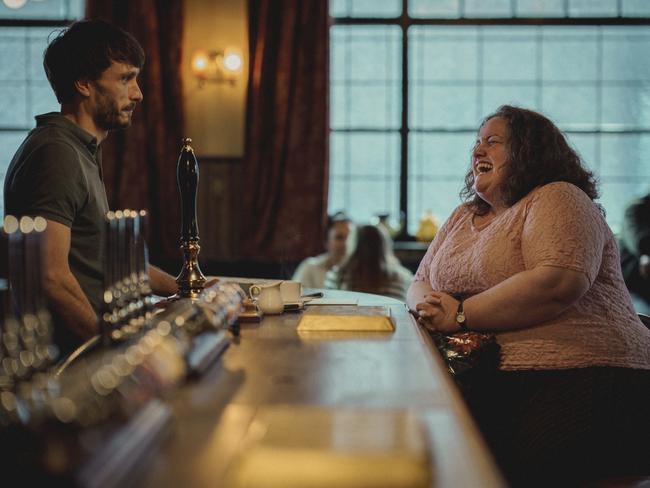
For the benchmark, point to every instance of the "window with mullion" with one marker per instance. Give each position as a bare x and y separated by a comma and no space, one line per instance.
365,111
589,78
24,34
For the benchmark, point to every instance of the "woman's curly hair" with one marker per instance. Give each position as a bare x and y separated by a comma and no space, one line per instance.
538,153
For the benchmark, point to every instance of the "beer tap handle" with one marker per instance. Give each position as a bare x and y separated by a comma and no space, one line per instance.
190,280
187,174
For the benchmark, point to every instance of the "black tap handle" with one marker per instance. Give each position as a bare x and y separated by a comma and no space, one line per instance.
187,174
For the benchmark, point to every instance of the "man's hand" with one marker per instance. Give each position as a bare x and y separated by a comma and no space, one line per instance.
212,280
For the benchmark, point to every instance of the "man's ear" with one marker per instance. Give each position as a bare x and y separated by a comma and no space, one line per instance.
83,87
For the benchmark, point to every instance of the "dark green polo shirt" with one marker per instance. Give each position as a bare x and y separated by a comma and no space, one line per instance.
57,174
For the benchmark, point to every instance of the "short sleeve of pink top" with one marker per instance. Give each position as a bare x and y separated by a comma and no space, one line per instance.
554,225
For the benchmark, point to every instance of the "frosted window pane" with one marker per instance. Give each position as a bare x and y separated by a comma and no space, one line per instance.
13,54
374,56
339,146
366,53
540,8
43,100
364,174
622,54
442,53
365,77
38,40
441,197
375,155
571,107
13,109
495,95
615,196
587,147
494,8
593,8
369,198
363,106
585,78
443,155
444,107
365,154
569,54
339,116
338,197
365,8
340,69
52,9
439,8
640,8
9,143
510,59
626,107
625,155
338,8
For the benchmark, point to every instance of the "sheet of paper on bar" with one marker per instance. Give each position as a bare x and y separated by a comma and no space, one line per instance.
343,318
301,446
331,301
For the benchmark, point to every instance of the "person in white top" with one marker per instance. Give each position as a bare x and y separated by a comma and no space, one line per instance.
311,271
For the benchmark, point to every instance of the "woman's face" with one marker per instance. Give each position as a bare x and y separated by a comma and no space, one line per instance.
490,160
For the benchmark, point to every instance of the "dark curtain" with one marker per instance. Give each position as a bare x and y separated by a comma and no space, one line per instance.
140,162
285,183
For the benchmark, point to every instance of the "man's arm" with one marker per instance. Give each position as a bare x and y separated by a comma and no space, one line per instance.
162,284
61,288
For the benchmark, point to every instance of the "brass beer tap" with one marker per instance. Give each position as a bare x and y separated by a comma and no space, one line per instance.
190,280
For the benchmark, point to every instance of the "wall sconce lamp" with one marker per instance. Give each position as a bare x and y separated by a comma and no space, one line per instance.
217,66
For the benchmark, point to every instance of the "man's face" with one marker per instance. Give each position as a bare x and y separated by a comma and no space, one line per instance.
337,240
114,96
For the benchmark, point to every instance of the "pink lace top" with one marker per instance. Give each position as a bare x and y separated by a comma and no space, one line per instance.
554,225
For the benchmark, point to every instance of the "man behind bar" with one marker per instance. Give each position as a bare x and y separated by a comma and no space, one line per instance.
57,171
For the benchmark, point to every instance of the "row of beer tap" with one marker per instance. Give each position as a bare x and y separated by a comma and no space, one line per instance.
141,351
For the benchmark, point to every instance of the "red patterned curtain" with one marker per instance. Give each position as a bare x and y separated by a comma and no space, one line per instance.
286,163
140,162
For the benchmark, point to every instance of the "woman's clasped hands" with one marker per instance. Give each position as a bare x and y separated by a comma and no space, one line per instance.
438,312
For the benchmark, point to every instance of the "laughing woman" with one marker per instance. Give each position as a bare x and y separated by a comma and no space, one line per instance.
530,257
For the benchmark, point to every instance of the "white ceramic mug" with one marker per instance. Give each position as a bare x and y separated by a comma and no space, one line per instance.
291,291
268,297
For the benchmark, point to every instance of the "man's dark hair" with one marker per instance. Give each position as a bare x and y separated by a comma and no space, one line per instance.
538,153
83,51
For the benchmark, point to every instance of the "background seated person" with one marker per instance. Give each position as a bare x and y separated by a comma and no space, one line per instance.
634,245
372,267
536,263
311,271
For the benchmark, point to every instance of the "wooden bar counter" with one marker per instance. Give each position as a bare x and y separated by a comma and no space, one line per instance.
272,365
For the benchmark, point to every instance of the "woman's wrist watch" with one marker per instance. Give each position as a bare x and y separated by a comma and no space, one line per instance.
461,320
